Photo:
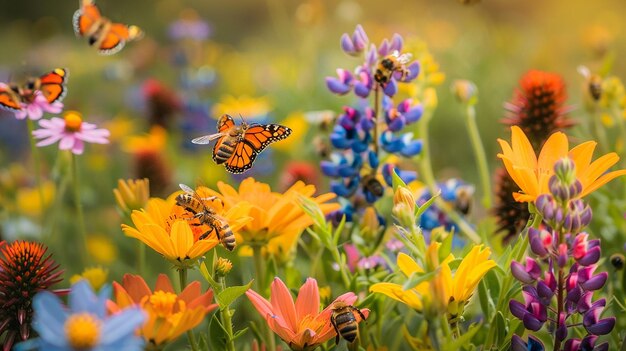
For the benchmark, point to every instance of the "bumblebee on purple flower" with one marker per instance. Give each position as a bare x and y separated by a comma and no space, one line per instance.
364,130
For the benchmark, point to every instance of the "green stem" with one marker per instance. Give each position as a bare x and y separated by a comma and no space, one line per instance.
479,153
36,163
429,178
182,278
600,132
375,131
226,315
141,258
79,209
259,265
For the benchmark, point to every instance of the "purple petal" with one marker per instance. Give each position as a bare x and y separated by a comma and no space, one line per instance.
361,90
602,327
34,112
391,88
337,86
519,272
372,56
396,42
347,45
517,309
414,71
411,149
596,282
20,114
78,147
531,322
591,257
383,48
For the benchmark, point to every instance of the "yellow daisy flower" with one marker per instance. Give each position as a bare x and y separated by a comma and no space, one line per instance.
445,291
168,230
531,173
278,220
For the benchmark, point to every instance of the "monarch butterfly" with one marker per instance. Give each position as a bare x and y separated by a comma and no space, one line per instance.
51,85
107,36
238,145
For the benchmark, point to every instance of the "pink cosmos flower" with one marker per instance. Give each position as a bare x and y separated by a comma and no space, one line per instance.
71,132
301,324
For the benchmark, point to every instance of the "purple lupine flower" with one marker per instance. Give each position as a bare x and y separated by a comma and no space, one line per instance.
569,259
533,344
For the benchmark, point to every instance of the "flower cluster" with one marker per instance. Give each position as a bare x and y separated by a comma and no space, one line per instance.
361,132
559,281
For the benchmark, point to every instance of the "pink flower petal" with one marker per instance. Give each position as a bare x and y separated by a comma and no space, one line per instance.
55,107
34,111
67,142
21,114
51,140
308,300
44,133
79,146
283,303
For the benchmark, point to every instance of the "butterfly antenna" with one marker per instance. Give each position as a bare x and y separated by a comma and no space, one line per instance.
240,116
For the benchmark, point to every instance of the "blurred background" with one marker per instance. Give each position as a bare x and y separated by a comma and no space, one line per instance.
282,50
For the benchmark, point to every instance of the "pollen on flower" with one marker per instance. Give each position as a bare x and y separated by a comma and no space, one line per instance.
73,121
163,303
82,331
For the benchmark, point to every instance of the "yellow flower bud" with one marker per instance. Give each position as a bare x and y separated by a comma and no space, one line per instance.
465,91
132,194
222,266
370,225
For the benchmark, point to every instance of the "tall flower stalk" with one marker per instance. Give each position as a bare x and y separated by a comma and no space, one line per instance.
558,278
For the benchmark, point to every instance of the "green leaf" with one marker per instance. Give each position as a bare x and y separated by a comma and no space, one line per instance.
204,271
418,277
239,333
500,326
483,296
446,246
463,340
203,344
217,334
339,230
396,181
230,294
426,205
312,209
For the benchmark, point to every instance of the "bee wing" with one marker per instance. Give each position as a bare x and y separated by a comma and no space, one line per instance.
187,189
584,71
405,58
205,139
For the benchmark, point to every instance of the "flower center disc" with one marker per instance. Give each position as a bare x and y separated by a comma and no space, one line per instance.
82,331
73,121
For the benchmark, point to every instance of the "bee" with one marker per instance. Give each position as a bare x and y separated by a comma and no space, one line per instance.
390,64
345,322
193,203
463,201
594,82
617,261
373,185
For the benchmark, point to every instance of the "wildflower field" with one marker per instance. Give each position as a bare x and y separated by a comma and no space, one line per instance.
313,175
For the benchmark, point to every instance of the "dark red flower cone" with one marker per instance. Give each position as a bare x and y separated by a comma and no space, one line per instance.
24,271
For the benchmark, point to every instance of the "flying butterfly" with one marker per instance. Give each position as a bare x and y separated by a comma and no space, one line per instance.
108,37
237,146
51,85
193,203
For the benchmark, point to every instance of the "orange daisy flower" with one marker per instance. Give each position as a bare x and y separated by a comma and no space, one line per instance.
531,173
169,315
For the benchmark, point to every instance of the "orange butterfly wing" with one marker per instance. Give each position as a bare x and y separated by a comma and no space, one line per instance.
8,99
256,138
85,18
117,36
53,85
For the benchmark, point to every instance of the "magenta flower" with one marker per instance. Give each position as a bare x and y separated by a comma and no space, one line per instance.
71,133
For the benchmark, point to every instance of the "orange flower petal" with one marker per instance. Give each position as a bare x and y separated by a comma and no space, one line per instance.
308,300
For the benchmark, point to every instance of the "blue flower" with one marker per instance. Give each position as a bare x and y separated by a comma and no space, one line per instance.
85,325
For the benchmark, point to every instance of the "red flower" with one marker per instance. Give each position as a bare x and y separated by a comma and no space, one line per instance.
24,271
